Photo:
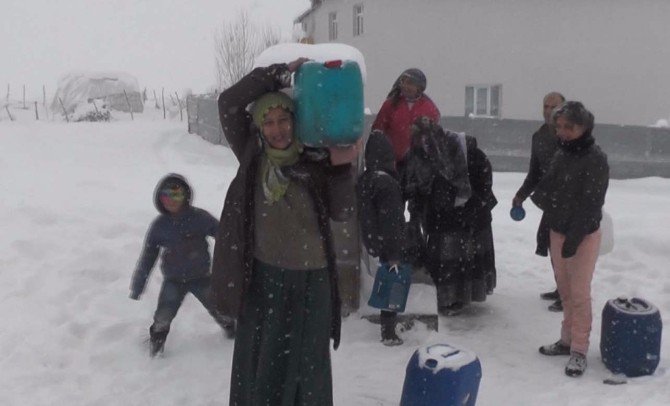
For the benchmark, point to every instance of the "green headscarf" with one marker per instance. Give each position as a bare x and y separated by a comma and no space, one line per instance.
275,183
269,100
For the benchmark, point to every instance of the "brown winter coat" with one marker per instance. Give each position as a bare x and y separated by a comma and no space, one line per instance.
330,187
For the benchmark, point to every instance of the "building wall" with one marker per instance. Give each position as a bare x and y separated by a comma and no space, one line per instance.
610,54
633,151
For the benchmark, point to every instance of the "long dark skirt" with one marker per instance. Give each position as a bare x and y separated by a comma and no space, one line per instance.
485,276
462,265
282,346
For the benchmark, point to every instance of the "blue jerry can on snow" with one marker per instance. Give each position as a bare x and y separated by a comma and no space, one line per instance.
441,375
391,287
329,103
630,339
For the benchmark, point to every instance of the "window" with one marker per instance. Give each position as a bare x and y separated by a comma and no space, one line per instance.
332,26
483,100
358,20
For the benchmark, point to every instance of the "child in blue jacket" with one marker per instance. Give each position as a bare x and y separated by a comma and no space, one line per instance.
180,233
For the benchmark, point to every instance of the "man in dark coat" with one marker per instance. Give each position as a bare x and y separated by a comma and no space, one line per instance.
274,264
543,147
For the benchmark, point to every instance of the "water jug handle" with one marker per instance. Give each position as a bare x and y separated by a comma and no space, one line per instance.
337,63
639,304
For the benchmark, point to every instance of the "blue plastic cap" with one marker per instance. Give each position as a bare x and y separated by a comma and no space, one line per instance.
517,213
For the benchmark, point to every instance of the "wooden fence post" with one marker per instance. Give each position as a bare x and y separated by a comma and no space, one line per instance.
163,101
156,100
64,111
181,115
37,115
130,108
188,122
8,113
44,101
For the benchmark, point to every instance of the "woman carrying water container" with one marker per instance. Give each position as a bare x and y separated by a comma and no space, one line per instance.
274,262
572,194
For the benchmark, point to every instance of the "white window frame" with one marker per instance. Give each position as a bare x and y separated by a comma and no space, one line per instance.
358,20
332,26
471,105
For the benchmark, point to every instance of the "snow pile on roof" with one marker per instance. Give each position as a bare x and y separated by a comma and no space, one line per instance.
77,88
285,53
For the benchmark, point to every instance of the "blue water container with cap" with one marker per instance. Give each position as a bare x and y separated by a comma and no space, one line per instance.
630,340
441,375
329,103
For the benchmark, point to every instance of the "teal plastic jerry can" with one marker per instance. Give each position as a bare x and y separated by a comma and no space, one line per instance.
329,99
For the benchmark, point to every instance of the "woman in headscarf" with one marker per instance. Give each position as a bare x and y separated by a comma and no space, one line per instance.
274,266
406,102
437,186
571,195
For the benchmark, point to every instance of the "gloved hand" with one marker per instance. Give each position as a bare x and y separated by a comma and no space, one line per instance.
134,295
517,201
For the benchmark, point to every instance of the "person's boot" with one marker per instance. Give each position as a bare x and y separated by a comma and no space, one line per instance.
557,306
576,365
156,341
447,300
452,310
553,295
557,348
388,323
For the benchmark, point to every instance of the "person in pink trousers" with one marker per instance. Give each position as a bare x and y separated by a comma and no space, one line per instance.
572,194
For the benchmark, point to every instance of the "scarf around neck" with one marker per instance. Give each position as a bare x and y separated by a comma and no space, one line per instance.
274,182
580,145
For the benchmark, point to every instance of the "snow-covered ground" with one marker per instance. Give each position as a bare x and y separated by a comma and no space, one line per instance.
76,200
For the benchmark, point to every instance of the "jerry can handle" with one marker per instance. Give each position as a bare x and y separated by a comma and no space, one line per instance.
334,64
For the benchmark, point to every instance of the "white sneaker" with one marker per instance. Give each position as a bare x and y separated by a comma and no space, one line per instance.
576,364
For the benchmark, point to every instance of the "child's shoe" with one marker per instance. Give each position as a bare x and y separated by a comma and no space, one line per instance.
389,336
557,348
157,346
156,341
576,365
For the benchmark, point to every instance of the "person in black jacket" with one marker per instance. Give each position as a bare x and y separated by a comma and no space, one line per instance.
572,194
382,215
543,147
181,232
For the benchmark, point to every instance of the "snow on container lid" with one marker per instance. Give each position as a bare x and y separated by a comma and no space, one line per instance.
442,356
287,52
633,306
